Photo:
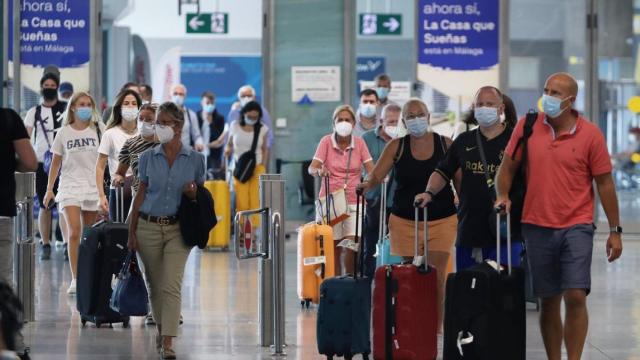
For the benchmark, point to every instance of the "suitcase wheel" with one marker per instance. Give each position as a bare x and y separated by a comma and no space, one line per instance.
84,322
305,303
365,356
110,326
125,323
348,356
98,323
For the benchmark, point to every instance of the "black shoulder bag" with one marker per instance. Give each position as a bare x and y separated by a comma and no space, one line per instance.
246,164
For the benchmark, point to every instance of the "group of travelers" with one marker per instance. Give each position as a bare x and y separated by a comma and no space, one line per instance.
547,189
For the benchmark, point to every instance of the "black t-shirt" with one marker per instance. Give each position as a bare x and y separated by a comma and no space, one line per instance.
11,129
411,176
476,197
216,128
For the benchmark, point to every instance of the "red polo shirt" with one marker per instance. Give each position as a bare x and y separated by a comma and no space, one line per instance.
560,172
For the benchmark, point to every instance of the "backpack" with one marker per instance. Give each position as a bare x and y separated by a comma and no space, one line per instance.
529,121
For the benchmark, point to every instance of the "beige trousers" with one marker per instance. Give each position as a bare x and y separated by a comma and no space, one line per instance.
164,255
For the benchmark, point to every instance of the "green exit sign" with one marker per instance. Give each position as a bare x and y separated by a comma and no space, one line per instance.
208,23
380,24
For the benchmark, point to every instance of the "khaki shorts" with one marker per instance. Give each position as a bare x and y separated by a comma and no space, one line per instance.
442,235
348,226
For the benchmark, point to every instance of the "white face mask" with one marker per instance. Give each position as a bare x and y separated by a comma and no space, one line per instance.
178,99
245,100
146,129
344,128
129,113
395,131
164,133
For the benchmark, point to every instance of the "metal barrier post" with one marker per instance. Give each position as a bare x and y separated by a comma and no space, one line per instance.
24,250
277,252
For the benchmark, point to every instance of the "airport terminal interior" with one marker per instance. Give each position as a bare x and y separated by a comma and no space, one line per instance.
292,64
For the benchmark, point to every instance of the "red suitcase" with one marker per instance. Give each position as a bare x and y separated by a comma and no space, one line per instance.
405,309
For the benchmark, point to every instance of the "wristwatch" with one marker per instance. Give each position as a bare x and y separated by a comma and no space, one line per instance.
616,229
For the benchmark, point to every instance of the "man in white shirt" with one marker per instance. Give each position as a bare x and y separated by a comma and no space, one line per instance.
42,122
190,131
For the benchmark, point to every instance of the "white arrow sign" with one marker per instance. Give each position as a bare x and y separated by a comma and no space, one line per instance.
392,24
195,23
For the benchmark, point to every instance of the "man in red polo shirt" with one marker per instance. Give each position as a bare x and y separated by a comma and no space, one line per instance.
565,153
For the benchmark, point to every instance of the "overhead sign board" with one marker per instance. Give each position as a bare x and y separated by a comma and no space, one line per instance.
207,23
380,24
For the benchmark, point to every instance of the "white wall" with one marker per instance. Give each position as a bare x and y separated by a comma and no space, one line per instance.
159,18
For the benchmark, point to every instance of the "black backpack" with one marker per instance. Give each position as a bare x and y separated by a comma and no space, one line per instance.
246,164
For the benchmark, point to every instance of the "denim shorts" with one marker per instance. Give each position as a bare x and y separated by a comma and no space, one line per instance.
559,259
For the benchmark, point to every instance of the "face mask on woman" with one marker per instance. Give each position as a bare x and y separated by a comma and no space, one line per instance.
344,128
418,126
250,121
84,113
146,129
129,113
164,133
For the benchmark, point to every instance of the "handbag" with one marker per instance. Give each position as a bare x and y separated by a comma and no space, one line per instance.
335,204
246,163
130,297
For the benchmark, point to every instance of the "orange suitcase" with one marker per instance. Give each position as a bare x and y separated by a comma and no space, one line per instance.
316,259
220,235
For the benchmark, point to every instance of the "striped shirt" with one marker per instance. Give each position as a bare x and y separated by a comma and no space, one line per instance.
130,153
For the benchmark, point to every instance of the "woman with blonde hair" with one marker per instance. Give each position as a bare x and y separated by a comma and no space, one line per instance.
75,152
341,156
122,126
414,158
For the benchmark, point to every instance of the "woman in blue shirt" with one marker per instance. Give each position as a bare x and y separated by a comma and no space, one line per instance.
165,173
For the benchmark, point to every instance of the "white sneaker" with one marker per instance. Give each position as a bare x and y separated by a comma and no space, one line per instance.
72,287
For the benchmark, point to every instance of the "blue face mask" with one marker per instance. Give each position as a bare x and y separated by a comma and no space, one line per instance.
249,121
84,113
418,126
383,92
486,115
551,105
208,108
367,110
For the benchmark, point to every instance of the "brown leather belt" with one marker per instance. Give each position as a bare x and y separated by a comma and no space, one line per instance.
160,220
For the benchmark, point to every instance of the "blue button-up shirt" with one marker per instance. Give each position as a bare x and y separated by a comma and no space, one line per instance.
164,184
376,144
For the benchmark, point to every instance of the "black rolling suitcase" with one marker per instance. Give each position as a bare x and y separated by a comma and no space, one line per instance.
102,251
344,312
485,312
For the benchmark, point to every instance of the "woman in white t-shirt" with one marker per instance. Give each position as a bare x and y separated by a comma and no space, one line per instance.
75,149
241,133
122,125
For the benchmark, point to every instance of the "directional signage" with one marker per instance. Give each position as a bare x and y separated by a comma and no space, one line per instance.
208,23
380,24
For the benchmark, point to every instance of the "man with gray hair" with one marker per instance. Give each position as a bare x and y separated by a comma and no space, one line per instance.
247,93
376,140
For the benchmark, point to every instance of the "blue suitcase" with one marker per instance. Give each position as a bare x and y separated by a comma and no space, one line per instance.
383,254
344,312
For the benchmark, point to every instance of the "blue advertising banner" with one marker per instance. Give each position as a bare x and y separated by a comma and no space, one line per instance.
458,34
223,75
53,32
367,68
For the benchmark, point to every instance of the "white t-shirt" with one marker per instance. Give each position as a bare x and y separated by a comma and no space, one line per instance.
79,151
40,141
242,140
112,142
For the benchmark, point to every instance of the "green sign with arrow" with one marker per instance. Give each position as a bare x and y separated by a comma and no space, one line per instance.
380,24
208,23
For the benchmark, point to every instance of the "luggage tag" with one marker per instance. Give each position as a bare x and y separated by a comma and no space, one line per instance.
314,260
349,244
418,260
495,265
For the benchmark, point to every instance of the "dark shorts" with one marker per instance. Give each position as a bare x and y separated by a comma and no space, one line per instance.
559,259
42,179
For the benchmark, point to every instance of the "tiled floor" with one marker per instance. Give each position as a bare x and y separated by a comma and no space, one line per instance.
220,312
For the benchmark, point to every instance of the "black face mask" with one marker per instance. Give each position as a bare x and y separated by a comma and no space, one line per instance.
49,93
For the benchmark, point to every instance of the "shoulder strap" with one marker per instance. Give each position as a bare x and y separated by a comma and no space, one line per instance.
529,121
399,151
443,144
256,136
38,117
483,157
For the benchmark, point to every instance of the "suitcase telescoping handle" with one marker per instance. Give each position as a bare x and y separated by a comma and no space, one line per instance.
358,256
382,227
327,195
499,211
119,203
417,232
